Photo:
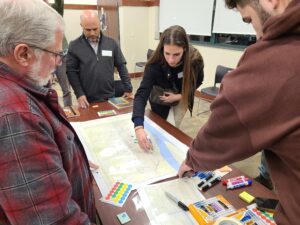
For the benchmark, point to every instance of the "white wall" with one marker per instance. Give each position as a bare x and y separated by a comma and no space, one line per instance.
141,22
72,18
137,29
217,56
72,23
134,33
138,32
153,26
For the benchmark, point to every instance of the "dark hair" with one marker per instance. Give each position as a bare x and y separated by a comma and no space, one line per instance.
231,4
262,14
176,35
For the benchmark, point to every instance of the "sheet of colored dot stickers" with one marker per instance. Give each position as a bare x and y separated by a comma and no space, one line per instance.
252,215
118,194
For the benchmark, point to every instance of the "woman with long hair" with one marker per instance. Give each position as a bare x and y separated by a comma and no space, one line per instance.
172,74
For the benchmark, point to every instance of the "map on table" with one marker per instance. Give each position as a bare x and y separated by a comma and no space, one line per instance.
161,210
111,144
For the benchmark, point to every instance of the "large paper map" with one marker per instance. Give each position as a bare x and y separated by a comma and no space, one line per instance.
163,211
111,143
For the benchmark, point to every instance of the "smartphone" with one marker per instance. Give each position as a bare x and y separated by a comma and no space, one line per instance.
266,204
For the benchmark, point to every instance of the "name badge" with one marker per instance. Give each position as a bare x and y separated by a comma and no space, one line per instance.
106,53
180,75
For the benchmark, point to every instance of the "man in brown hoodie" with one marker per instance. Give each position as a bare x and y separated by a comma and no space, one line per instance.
258,108
253,13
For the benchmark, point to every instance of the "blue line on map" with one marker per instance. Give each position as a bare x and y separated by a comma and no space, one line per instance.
164,151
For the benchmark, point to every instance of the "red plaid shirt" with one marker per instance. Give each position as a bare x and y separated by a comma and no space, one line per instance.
45,177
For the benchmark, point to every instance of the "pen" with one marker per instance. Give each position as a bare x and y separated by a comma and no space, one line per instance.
209,176
190,208
179,203
149,140
212,183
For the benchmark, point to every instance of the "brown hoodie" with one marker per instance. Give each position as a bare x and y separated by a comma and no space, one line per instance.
258,107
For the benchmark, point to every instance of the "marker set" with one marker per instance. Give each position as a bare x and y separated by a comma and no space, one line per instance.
202,174
237,182
211,178
207,180
210,209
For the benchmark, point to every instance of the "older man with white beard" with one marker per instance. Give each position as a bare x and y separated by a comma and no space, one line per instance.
45,177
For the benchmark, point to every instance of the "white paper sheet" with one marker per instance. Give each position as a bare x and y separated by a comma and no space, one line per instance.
163,211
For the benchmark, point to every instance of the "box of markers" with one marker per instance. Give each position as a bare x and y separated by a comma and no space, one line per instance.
208,210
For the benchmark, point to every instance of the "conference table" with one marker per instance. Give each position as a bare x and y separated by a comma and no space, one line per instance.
133,207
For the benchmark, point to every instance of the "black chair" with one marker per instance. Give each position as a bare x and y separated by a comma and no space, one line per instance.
142,65
221,71
210,93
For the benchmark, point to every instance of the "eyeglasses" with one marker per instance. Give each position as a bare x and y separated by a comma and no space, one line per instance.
58,55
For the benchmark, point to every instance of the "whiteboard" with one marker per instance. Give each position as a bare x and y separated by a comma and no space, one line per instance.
195,16
229,21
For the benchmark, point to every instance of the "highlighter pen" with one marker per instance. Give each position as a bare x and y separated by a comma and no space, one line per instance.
223,204
241,184
212,183
179,203
209,176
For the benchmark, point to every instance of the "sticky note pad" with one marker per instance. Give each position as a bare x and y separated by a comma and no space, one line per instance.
109,112
246,197
123,218
118,194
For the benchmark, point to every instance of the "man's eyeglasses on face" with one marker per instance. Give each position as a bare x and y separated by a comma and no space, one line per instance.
58,55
